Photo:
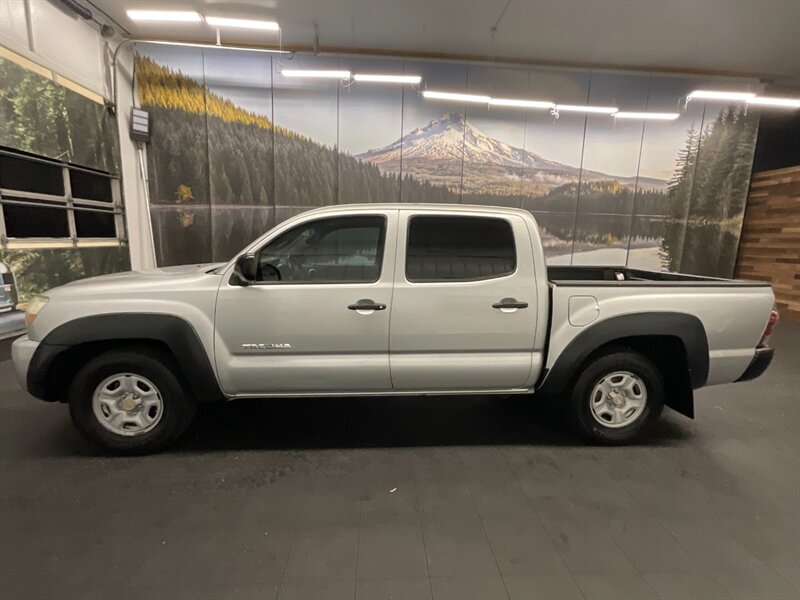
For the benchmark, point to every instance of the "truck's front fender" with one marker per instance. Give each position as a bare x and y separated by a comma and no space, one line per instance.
174,332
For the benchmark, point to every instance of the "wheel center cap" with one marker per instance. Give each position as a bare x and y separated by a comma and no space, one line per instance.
129,403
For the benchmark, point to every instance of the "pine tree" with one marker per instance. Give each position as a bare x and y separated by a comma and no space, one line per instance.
680,185
744,148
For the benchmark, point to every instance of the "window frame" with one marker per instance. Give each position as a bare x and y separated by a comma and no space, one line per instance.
381,254
508,222
68,203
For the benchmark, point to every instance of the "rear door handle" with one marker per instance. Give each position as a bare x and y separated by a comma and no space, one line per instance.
367,304
509,303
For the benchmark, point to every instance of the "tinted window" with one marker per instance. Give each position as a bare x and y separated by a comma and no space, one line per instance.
344,250
459,249
90,223
24,221
88,186
30,176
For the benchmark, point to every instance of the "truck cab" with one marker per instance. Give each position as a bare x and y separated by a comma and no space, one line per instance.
458,287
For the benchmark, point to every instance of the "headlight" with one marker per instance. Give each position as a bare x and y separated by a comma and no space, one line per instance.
35,306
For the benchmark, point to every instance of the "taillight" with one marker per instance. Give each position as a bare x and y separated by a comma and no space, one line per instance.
773,318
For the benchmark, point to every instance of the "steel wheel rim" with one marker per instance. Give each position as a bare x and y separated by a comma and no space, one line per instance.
127,404
618,399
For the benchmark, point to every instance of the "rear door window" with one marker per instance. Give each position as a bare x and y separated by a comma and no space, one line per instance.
456,248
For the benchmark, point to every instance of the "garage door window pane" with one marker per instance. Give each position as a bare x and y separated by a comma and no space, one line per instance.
30,176
459,249
92,224
35,221
88,186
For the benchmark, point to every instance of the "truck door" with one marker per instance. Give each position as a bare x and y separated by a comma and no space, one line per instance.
317,320
464,310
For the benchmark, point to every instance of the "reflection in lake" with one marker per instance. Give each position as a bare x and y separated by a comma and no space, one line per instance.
196,234
603,239
646,242
702,248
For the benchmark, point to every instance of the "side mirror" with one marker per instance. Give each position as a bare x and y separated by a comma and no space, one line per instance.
244,272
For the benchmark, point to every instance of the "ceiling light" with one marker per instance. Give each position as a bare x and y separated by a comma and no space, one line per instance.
719,95
242,23
387,78
776,102
310,73
647,115
188,16
605,110
456,97
520,103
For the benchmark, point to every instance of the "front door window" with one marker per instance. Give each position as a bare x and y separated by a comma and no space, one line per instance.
336,250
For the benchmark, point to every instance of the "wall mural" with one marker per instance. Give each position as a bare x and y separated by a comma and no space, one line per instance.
40,116
37,270
237,147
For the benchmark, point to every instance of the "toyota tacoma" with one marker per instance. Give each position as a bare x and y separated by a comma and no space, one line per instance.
389,299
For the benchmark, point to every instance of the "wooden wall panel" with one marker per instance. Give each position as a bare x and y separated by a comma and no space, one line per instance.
769,248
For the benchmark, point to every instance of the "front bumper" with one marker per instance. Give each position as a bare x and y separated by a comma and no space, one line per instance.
21,354
759,363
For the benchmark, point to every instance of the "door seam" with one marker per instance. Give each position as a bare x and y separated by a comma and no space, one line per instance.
391,296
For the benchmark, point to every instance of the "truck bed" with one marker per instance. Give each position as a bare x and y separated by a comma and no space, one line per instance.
733,313
624,276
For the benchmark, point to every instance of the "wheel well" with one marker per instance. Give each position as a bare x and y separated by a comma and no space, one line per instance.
67,363
668,353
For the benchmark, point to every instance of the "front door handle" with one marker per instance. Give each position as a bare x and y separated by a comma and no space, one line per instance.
509,303
367,304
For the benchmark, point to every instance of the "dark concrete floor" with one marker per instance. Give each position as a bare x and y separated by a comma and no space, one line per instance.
410,498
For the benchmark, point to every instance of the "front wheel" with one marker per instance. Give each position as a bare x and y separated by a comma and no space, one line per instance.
129,402
618,397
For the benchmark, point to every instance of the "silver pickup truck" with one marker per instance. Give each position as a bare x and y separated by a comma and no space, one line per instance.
389,299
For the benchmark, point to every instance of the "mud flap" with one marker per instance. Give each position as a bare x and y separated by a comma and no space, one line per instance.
681,399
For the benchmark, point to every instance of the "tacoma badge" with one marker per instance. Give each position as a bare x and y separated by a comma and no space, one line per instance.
267,346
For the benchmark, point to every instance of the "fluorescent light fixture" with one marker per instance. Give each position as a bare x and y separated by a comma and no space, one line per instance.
456,97
520,103
720,95
775,102
311,73
387,78
242,23
603,110
647,115
187,16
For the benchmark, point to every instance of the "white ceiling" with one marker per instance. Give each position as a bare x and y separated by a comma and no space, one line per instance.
742,36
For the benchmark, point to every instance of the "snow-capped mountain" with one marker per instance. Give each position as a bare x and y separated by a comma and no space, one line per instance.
446,138
434,153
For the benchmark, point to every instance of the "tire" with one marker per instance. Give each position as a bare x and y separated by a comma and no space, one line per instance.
119,379
604,412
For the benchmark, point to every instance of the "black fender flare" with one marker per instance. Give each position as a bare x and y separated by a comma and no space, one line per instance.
175,332
687,328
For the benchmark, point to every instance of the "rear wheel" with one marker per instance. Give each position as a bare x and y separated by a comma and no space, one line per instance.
129,402
618,397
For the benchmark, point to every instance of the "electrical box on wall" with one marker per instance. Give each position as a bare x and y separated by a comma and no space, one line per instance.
140,125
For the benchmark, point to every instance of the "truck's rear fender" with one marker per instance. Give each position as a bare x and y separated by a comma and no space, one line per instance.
70,345
676,342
